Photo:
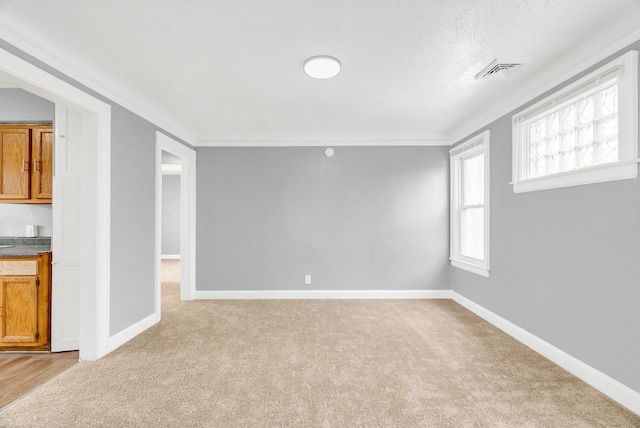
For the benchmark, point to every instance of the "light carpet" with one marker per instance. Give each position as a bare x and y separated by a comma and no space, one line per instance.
317,363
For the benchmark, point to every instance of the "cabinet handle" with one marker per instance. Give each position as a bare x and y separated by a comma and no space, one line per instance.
25,165
35,165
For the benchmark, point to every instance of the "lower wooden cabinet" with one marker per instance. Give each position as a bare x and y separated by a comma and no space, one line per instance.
25,287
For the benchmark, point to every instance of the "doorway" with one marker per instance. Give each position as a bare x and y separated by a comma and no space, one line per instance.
92,121
170,239
175,168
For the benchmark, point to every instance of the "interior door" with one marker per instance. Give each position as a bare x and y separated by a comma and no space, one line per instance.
65,242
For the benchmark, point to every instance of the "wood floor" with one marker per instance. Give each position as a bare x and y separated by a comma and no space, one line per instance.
21,373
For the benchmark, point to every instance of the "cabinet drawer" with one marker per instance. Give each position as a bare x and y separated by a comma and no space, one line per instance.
18,267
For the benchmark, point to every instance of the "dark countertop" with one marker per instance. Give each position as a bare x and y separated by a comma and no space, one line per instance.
14,248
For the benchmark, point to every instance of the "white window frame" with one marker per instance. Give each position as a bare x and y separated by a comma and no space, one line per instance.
470,148
625,68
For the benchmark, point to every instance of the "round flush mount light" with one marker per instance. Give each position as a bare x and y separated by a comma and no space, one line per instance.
322,67
328,152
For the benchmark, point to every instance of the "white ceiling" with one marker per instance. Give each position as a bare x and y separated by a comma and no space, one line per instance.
215,71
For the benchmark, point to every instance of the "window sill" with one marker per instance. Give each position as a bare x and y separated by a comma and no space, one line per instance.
598,174
478,270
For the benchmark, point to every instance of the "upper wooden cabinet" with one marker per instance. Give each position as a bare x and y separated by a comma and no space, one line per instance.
42,167
15,152
26,164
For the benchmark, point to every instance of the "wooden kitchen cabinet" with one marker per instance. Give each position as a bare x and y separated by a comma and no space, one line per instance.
25,287
26,164
15,152
42,167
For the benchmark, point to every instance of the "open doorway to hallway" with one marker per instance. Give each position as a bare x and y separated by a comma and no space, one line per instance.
175,214
170,229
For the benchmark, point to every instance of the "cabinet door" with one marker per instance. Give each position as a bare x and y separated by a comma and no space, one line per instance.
14,163
18,311
42,165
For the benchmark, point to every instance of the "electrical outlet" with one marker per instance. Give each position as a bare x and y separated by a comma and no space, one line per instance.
307,279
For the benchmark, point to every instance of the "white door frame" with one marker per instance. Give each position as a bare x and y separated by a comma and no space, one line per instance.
187,216
95,196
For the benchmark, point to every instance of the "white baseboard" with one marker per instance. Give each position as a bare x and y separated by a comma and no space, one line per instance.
170,256
321,294
130,332
602,382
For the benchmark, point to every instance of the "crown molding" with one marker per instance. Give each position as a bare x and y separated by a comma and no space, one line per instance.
364,143
133,106
579,67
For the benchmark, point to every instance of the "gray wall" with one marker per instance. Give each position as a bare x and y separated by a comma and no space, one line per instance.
132,218
17,105
565,264
169,158
15,217
369,218
132,291
170,214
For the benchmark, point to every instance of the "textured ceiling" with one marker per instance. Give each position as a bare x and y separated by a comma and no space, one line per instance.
231,71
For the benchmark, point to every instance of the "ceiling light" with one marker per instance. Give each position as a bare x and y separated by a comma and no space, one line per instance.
322,67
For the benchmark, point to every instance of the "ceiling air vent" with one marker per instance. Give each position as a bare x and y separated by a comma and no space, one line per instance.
498,70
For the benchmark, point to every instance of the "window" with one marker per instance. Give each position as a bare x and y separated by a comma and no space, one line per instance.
584,133
470,205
